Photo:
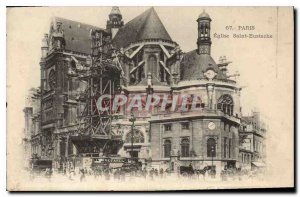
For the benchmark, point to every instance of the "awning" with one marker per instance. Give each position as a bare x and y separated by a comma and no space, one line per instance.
91,144
48,126
258,164
115,165
133,148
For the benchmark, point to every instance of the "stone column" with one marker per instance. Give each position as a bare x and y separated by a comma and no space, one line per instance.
57,165
67,147
74,149
157,66
210,90
58,148
214,100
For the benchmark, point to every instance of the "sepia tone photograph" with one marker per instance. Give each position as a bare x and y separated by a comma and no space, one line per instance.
150,98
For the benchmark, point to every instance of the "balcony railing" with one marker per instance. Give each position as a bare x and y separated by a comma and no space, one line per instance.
195,113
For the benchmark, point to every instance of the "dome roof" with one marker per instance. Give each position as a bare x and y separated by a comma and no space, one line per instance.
194,65
204,15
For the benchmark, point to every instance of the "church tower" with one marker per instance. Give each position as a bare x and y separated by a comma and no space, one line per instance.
45,46
204,41
115,21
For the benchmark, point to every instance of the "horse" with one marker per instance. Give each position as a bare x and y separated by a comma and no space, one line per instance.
202,172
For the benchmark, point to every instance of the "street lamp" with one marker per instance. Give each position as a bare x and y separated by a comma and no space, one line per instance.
212,161
212,157
132,119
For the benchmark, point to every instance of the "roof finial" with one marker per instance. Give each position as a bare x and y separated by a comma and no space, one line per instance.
115,11
204,14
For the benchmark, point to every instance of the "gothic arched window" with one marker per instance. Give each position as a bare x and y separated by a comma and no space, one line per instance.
52,79
162,73
225,104
206,29
167,148
185,148
211,147
152,65
140,73
201,30
138,137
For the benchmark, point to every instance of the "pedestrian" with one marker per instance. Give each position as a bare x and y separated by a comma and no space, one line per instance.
82,175
213,173
65,170
100,172
70,175
167,172
151,173
145,173
161,173
117,174
223,175
107,175
48,174
122,175
32,174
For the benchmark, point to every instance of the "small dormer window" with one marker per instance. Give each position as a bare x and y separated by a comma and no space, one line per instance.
185,125
168,127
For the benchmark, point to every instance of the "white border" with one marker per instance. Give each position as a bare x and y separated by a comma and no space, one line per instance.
4,3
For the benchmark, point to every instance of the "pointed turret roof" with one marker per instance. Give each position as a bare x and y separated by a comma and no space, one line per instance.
145,26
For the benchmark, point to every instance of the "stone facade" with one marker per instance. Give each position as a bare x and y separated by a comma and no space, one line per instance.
198,133
31,138
252,134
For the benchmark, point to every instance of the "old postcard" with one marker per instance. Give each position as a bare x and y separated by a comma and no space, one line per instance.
150,98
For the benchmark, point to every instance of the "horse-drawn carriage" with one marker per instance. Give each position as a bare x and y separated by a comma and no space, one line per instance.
186,170
41,168
189,171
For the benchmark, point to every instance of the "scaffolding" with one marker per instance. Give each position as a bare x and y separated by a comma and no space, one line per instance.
101,75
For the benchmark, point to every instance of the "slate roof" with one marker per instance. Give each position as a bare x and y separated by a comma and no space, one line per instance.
247,119
77,35
145,26
194,65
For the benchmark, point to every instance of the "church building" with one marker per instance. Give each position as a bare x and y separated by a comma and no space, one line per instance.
151,63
